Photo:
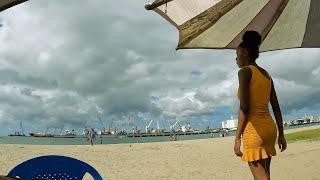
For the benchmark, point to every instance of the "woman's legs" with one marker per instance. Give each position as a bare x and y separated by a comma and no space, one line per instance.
268,162
259,169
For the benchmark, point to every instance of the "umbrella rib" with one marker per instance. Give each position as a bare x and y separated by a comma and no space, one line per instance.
274,19
164,15
13,3
200,23
156,4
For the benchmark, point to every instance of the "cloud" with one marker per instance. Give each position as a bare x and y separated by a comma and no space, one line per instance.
65,62
295,77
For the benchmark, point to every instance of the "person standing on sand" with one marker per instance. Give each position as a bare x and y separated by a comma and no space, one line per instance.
92,136
255,124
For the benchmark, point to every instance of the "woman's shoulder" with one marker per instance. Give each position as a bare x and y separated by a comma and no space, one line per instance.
245,72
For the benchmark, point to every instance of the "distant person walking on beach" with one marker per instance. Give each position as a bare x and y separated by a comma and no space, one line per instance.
92,136
255,124
173,137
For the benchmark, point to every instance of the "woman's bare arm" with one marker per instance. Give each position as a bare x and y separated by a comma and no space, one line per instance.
244,75
276,109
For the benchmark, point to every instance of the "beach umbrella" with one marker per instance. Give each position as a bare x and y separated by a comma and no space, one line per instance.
5,4
220,24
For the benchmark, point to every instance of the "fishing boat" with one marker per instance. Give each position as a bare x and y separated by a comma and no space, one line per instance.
68,134
40,134
17,133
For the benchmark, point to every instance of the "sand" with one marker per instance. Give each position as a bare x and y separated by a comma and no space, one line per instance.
211,159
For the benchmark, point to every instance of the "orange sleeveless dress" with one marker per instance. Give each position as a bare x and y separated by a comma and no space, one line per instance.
260,133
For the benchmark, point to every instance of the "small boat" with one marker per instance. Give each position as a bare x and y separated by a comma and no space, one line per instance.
17,133
68,134
41,134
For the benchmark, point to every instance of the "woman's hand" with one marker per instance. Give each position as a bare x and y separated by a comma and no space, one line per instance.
237,145
282,143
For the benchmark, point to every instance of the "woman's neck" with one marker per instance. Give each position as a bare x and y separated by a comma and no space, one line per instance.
253,64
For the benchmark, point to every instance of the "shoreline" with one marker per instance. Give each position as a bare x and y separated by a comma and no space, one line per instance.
286,131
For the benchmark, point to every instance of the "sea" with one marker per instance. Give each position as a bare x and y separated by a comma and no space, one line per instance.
81,140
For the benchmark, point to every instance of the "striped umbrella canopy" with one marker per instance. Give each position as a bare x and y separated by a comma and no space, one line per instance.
5,4
220,24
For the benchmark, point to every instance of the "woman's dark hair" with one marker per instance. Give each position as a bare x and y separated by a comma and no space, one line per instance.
251,41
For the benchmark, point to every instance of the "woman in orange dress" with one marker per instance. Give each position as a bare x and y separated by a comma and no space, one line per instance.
255,124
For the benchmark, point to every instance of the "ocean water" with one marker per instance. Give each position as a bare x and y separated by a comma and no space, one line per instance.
104,140
80,140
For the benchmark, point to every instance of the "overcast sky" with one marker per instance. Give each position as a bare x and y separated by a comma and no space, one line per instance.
70,62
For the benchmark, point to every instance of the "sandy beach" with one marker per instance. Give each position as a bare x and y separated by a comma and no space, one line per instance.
193,159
